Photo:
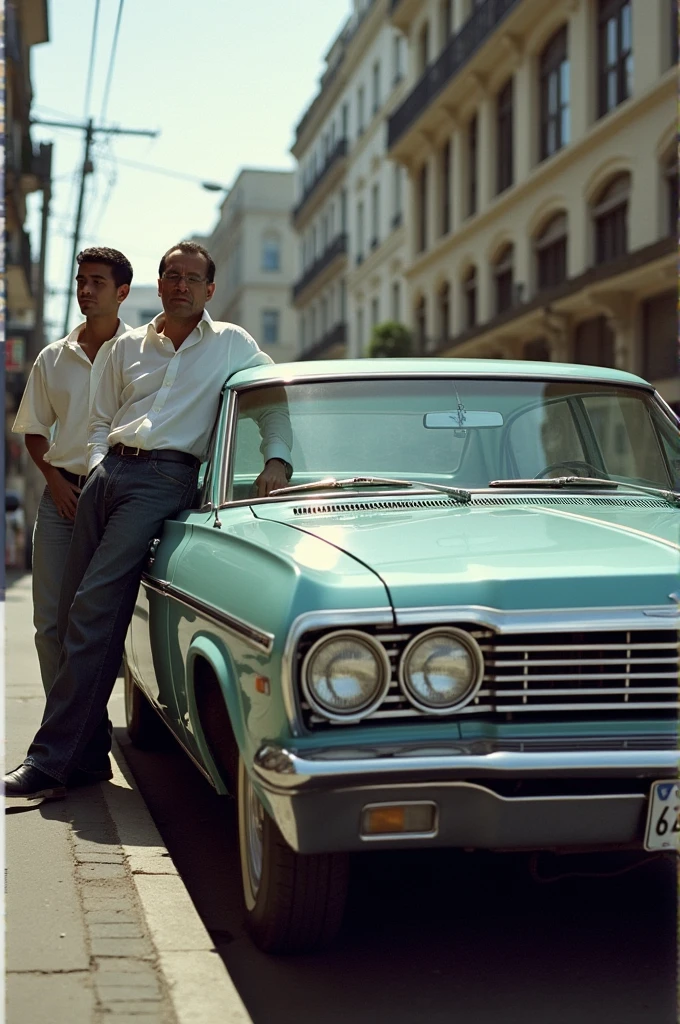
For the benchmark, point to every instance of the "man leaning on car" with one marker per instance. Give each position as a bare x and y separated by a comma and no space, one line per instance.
150,426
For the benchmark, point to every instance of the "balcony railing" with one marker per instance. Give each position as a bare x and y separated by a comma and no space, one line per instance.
336,154
480,25
336,248
337,335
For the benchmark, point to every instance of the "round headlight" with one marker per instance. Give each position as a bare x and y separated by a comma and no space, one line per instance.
441,670
345,675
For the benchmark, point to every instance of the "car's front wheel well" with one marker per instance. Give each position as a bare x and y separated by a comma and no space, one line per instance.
215,723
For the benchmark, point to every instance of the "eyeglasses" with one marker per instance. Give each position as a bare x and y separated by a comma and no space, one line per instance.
172,277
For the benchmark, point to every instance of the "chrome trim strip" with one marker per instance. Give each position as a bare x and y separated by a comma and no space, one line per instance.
557,620
345,617
245,630
285,771
227,449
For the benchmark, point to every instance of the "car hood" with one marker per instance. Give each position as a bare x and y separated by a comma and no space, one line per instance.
526,554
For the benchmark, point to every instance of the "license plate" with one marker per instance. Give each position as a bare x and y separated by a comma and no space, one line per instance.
663,817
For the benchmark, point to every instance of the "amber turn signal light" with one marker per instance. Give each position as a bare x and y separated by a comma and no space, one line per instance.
398,819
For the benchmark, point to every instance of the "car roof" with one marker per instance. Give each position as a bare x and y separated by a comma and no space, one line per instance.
433,366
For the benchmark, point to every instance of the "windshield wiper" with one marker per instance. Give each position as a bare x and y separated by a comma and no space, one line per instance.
331,483
587,481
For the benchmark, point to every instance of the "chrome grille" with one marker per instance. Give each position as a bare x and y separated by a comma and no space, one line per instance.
599,674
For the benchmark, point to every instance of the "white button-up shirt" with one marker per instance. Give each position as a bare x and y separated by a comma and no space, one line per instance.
152,395
58,397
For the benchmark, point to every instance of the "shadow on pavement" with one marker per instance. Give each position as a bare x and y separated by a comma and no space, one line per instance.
433,936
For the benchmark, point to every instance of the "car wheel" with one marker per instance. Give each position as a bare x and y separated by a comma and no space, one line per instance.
144,727
294,902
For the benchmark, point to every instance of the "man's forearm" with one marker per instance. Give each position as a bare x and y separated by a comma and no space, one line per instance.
37,447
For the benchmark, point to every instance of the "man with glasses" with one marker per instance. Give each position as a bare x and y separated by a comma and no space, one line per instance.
151,421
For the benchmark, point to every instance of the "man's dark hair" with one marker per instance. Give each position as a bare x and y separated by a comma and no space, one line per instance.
190,249
121,268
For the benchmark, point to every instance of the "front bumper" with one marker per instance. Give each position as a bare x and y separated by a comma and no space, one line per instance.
498,800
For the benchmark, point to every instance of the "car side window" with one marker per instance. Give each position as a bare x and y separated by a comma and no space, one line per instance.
628,442
543,436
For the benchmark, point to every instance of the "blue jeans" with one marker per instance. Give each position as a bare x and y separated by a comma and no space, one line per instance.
121,508
51,539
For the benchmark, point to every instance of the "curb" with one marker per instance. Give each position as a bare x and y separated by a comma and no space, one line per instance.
200,988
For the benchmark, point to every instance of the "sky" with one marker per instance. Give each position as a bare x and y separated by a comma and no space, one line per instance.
223,82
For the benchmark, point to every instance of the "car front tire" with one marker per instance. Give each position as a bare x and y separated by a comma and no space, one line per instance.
294,902
145,729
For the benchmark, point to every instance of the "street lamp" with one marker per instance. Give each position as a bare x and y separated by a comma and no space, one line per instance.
213,186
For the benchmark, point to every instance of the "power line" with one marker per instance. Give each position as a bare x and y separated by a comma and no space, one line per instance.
168,172
90,72
112,60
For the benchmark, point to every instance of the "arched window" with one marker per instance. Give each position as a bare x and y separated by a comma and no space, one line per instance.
424,48
503,276
271,252
615,53
470,297
551,252
610,219
671,176
444,311
555,91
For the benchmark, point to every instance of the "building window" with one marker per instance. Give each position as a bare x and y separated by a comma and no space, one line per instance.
396,301
594,342
271,253
345,120
610,217
660,354
472,166
397,195
555,92
470,297
424,48
551,252
376,87
537,349
422,209
375,216
361,341
445,21
615,53
420,319
671,174
444,312
360,232
375,312
503,274
445,183
396,58
343,211
343,301
360,110
504,150
270,326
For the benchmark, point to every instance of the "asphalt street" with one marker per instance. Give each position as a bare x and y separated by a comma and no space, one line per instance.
436,937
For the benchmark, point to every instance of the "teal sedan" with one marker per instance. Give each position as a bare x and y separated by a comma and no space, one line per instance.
457,625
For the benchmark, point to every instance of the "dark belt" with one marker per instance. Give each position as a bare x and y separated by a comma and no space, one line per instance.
73,478
163,454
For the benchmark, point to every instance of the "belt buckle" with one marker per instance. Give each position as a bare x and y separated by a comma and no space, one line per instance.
134,451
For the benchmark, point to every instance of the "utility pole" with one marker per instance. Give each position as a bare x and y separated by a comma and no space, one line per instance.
90,132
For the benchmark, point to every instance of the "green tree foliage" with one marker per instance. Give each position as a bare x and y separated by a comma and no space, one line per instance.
390,339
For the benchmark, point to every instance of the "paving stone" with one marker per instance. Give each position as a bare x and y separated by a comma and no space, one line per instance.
121,947
131,1017
123,965
114,994
83,845
111,916
117,930
132,982
133,1009
98,858
112,903
88,871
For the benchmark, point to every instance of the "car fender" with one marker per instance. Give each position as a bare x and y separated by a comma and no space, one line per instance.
214,653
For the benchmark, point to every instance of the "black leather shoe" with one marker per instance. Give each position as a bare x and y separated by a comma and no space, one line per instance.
29,782
83,777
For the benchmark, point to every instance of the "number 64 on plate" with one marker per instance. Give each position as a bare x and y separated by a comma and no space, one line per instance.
663,816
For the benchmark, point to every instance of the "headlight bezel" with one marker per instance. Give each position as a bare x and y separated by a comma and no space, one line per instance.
382,660
465,640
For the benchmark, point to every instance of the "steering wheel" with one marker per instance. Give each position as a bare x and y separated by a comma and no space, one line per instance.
573,466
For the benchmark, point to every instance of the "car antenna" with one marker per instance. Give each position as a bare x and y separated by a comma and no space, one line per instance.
217,525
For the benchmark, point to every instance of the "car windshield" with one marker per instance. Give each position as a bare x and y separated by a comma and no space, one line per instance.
460,432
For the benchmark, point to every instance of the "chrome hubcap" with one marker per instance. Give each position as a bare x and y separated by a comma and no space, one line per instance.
254,822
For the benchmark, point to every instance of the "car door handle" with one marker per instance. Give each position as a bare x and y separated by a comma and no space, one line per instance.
153,548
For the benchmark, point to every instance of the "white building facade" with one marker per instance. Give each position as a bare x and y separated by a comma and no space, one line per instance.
253,245
348,211
540,145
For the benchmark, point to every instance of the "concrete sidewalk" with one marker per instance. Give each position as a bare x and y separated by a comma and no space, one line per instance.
99,925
